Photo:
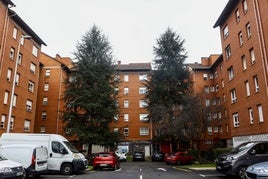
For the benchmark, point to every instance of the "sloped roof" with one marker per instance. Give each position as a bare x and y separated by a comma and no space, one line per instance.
134,67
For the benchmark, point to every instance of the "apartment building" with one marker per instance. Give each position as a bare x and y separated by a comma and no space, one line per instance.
239,78
20,50
54,73
132,120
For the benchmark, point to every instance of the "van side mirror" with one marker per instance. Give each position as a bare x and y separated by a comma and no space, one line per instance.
63,151
253,152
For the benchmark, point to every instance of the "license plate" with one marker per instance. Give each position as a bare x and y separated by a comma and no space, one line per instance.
19,173
103,165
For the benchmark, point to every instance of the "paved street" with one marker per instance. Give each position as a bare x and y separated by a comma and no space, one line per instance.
144,170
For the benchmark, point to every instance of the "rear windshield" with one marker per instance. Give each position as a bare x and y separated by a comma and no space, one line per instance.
104,154
71,147
242,147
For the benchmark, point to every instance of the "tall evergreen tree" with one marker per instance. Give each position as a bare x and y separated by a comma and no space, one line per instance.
169,83
90,97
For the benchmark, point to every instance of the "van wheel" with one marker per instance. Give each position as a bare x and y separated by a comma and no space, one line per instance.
241,173
66,169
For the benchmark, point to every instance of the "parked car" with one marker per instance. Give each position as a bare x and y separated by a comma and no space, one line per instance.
106,160
258,170
179,158
242,156
158,156
34,158
122,155
10,169
138,156
90,158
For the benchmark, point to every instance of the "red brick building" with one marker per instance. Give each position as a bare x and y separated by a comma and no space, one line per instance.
19,71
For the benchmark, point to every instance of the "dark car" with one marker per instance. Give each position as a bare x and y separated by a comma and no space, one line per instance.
106,160
246,154
179,158
158,156
138,156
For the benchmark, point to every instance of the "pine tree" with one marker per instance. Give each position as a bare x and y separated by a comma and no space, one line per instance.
90,97
169,83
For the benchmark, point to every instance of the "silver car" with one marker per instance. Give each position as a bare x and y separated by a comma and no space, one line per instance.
258,170
11,169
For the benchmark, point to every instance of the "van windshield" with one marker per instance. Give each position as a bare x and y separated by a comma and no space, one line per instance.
242,147
71,147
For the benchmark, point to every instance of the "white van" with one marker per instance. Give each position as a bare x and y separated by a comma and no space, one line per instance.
32,157
62,155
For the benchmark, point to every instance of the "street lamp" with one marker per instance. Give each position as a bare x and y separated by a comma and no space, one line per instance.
14,81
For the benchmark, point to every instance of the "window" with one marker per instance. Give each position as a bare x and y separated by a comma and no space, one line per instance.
12,53
44,115
228,51
116,130
261,119
144,131
47,73
212,89
236,119
143,103
215,129
14,100
12,121
57,147
245,6
126,104
15,32
244,62
45,100
35,51
142,90
43,129
256,83
9,74
6,97
205,76
251,118
233,96
31,86
27,125
206,90
3,121
126,117
126,131
247,88
225,32
32,68
248,29
240,38
116,90
46,87
144,117
20,59
126,78
29,105
222,83
252,56
237,15
207,102
125,91
209,130
143,77
116,117
231,73
17,80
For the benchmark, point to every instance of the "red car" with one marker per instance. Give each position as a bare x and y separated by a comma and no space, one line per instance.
106,160
179,158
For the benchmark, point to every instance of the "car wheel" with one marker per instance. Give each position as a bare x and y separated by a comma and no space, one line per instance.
241,173
66,169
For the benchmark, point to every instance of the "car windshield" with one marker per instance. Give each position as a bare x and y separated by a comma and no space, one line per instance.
242,147
71,147
105,154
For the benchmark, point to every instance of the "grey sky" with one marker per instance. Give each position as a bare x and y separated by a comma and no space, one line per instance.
132,26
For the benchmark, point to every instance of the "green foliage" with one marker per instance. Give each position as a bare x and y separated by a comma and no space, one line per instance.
90,97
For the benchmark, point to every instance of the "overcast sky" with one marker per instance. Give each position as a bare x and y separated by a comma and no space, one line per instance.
131,26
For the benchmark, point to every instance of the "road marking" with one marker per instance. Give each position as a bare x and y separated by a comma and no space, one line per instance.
162,169
140,176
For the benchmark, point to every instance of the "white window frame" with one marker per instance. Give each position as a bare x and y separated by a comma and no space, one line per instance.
33,68
260,111
144,117
45,100
143,103
126,131
14,103
142,90
12,53
256,83
15,32
144,131
47,73
143,77
126,91
233,96
245,6
251,117
46,86
237,15
6,97
12,122
252,56
231,73
20,59
35,51
9,74
126,117
126,104
44,115
247,88
248,27
244,62
27,125
210,132
31,86
17,80
29,105
225,32
236,119
3,121
126,78
240,38
228,52
42,129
